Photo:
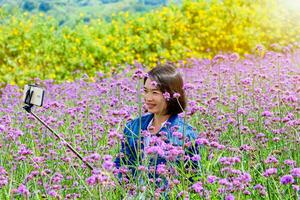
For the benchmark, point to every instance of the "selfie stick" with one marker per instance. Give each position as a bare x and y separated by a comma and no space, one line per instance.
28,109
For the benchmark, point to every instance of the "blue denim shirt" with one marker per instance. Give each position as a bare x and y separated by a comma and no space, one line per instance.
132,130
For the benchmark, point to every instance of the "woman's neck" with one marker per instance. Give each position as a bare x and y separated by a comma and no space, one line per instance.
159,119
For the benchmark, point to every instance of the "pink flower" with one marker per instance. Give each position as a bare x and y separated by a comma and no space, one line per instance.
23,190
224,181
233,98
161,169
3,177
234,57
92,158
242,111
290,162
229,160
271,159
138,74
296,172
218,58
176,95
196,158
57,178
167,96
2,128
142,168
201,141
267,113
24,151
52,193
259,47
211,179
155,150
91,180
270,172
198,187
108,165
154,83
296,188
229,197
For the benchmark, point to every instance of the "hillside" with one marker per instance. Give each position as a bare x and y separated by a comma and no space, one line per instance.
68,11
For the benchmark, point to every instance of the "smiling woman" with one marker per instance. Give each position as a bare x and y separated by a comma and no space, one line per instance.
151,135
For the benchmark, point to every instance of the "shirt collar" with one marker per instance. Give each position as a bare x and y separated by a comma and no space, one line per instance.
149,118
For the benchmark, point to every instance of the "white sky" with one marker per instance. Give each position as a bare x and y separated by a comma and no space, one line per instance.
291,4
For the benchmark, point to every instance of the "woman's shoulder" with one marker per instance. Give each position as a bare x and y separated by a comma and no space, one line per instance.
132,126
185,126
145,117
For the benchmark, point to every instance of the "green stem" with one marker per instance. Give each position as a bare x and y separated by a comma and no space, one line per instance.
184,122
140,126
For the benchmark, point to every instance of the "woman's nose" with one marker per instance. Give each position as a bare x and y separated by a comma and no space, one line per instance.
148,96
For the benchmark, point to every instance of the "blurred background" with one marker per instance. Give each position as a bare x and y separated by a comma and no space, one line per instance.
64,39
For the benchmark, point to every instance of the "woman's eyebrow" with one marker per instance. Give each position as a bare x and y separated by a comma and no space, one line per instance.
145,88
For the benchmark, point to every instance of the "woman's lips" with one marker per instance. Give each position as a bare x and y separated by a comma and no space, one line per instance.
149,106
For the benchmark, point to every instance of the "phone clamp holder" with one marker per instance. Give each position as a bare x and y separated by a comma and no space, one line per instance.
28,96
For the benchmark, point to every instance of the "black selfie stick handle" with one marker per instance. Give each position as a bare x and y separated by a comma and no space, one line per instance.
28,109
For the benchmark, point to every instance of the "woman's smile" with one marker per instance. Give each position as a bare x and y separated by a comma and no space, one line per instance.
150,105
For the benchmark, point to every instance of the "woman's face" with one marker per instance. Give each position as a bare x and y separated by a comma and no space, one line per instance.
154,99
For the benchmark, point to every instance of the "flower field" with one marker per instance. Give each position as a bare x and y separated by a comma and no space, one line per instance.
240,61
245,111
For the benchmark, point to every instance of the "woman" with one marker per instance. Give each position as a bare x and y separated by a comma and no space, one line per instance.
164,99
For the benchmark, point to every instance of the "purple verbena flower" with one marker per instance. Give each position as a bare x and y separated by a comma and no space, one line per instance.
2,128
154,150
57,178
196,158
176,95
291,163
270,171
271,159
52,193
161,169
296,188
286,179
229,160
3,177
167,96
201,141
198,187
23,190
229,197
212,179
154,83
267,113
108,165
295,172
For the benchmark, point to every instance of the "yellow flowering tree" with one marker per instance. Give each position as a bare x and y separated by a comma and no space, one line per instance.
36,46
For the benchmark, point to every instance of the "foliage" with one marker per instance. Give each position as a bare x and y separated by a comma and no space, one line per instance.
36,46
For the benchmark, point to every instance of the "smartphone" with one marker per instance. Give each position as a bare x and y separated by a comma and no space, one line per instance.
33,95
